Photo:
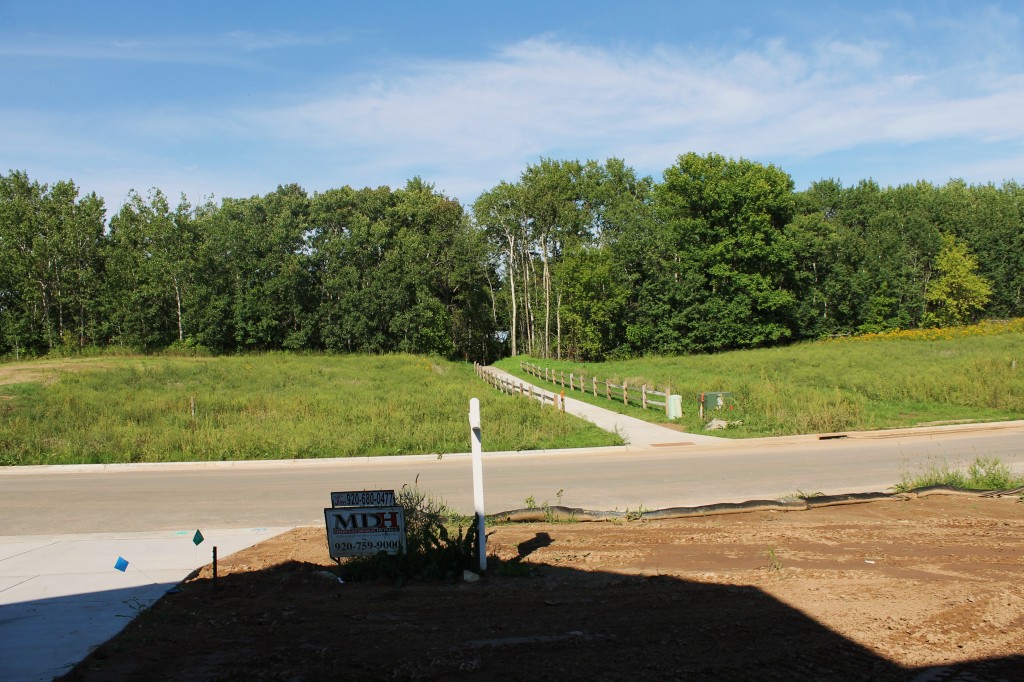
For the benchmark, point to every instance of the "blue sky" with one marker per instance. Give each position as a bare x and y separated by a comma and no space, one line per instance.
231,99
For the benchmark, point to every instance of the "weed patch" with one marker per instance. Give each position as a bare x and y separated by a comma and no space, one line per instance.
984,473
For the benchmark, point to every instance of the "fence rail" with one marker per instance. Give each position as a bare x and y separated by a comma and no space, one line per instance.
639,395
521,389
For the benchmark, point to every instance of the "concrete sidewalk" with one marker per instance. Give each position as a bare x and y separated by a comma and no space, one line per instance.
61,596
638,434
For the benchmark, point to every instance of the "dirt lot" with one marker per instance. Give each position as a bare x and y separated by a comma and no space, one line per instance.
927,589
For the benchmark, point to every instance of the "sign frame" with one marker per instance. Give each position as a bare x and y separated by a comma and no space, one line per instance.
365,531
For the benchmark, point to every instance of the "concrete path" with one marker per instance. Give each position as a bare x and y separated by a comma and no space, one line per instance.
61,595
638,434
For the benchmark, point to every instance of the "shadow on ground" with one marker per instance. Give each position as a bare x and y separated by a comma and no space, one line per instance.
525,620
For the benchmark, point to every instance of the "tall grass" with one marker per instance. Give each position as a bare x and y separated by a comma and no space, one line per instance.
984,473
900,379
267,407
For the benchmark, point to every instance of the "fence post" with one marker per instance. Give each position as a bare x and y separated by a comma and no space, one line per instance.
668,392
625,395
563,401
562,373
595,385
572,380
608,389
643,396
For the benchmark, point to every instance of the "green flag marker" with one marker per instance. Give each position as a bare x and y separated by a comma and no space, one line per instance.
197,538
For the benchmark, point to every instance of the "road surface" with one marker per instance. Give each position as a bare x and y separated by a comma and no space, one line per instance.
121,498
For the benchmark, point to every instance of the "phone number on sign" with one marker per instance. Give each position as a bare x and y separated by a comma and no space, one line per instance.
377,545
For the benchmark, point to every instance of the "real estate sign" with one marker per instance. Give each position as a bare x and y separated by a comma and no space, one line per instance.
364,530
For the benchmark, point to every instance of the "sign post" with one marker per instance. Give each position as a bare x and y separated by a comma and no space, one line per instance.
478,479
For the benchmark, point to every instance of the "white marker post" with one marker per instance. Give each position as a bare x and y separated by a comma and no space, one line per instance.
478,479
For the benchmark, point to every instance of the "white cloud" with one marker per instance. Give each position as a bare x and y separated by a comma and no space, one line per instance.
468,124
544,97
198,48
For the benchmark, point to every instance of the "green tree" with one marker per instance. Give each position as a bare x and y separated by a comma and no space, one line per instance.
732,263
400,271
265,297
830,269
50,265
990,220
959,292
435,275
152,272
501,215
552,198
594,300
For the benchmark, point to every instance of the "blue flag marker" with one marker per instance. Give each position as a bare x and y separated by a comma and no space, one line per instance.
197,538
121,564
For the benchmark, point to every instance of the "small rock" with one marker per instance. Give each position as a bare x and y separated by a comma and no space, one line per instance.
716,424
329,576
470,576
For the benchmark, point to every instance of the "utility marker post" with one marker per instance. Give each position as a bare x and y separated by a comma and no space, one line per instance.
478,479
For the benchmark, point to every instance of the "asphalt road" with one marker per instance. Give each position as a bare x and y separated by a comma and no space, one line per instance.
122,498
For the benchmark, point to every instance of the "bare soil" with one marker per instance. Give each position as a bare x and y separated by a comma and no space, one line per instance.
926,589
46,371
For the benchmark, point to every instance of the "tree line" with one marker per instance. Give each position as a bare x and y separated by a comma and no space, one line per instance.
575,259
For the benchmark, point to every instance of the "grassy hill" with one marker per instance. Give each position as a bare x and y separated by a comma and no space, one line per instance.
903,378
277,406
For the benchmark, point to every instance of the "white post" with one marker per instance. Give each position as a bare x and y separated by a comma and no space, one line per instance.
478,479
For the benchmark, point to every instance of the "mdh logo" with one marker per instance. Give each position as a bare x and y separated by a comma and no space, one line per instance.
367,522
